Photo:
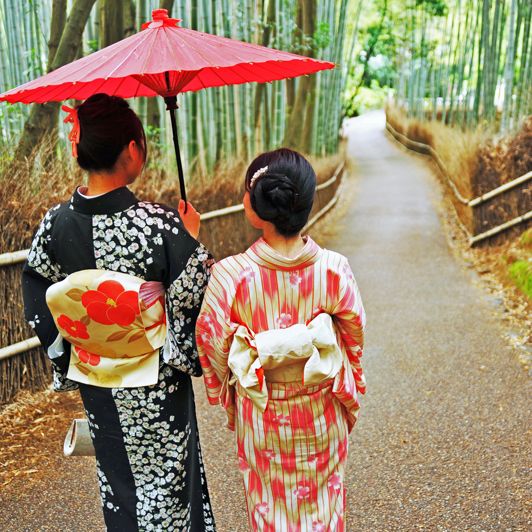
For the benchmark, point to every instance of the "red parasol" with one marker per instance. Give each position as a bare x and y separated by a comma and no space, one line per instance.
165,59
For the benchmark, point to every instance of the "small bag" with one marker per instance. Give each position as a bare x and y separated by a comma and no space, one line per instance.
78,441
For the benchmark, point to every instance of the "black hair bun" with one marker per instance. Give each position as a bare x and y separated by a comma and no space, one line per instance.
107,126
277,197
284,193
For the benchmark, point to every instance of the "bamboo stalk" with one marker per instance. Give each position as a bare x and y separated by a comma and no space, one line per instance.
509,73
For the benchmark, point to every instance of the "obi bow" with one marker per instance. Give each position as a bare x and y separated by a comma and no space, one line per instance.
307,354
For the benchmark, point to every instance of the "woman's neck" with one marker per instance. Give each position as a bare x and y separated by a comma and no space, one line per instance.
288,247
100,183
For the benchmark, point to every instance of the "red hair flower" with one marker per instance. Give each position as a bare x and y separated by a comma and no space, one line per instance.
111,304
73,328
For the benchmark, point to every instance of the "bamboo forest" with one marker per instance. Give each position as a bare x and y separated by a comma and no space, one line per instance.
464,62
276,257
216,123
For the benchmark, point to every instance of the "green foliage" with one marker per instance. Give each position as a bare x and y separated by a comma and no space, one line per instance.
521,273
367,99
93,46
435,7
526,239
322,35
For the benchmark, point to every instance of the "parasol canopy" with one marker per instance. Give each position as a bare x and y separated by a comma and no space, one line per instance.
165,59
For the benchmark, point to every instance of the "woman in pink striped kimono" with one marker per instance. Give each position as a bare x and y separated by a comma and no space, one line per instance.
280,337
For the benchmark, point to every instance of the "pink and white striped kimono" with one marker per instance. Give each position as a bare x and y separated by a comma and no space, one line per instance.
292,416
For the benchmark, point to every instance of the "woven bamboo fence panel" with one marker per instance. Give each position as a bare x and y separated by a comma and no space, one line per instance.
30,370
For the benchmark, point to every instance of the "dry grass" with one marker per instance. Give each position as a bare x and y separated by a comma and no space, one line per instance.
503,159
478,163
32,430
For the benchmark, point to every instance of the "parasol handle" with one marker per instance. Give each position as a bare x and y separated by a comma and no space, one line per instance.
171,105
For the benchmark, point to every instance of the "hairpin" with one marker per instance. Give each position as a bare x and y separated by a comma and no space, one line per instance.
75,133
256,175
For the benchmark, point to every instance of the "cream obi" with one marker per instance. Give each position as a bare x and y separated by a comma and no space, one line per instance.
302,353
116,324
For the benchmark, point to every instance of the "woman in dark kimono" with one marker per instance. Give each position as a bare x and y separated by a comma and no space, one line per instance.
146,438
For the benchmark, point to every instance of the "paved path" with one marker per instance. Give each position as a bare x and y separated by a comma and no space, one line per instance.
444,437
444,440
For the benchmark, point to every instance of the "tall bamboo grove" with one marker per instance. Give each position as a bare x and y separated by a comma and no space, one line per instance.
467,62
214,124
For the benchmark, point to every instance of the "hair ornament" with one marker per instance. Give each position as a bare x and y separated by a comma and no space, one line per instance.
75,133
257,174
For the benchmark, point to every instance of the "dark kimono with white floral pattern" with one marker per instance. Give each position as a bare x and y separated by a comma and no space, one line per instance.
146,439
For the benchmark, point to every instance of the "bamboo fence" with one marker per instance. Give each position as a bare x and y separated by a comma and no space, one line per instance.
220,232
498,215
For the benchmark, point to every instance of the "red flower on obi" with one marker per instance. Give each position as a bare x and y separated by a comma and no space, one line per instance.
73,328
111,304
87,358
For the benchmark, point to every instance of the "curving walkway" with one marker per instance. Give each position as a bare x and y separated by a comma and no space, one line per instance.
443,442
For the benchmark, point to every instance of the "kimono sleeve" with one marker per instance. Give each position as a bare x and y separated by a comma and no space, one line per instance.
39,273
183,302
350,321
214,332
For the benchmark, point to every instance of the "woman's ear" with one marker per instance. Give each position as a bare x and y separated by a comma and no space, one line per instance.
134,150
252,216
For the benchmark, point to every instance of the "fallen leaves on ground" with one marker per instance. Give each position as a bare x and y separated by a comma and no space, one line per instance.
32,431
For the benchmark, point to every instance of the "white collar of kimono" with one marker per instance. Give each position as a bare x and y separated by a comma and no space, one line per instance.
264,255
82,192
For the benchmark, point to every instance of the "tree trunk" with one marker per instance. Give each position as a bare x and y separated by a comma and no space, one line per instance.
525,59
111,21
297,35
168,5
217,102
308,129
509,73
371,47
130,19
293,137
43,118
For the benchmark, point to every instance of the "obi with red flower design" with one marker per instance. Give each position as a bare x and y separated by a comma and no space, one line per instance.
116,324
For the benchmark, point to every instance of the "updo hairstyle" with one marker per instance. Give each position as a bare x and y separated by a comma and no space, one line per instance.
107,126
284,193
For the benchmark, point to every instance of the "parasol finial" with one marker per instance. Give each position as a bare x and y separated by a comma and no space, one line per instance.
159,14
160,18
